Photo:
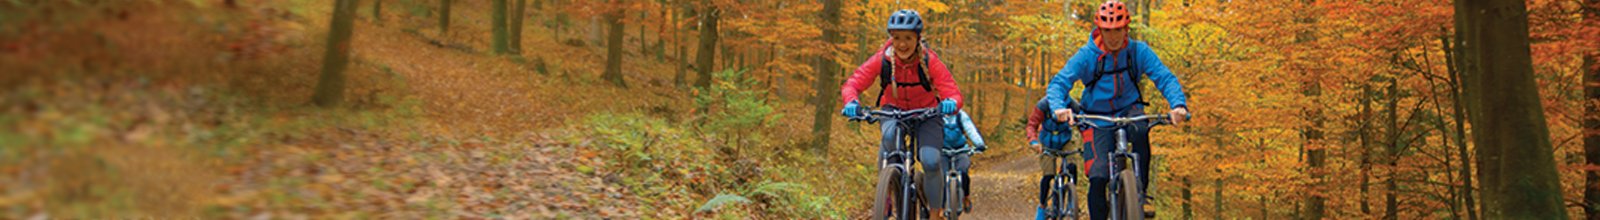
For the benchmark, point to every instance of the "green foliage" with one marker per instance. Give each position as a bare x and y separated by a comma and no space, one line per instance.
735,106
784,198
721,200
658,160
661,161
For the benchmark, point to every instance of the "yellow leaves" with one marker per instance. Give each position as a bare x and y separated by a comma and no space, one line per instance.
932,6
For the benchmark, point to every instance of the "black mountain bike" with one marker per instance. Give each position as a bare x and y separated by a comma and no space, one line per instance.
1127,200
1063,196
896,195
955,197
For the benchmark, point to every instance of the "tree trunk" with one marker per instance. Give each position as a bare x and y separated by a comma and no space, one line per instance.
708,43
330,85
1592,117
727,57
661,39
1459,115
1315,157
444,17
501,44
1365,139
1440,125
1591,122
614,54
1217,203
377,11
1392,154
826,86
1263,206
1516,167
518,14
1188,198
642,46
1315,153
683,51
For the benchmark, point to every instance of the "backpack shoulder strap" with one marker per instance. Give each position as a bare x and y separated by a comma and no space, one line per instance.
1134,73
885,77
922,74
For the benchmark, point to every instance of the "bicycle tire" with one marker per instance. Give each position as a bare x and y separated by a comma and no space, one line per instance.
914,206
1129,198
1055,208
883,197
953,197
1070,209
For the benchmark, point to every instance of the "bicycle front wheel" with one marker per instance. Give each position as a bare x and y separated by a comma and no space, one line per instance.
953,197
1069,192
1129,197
886,196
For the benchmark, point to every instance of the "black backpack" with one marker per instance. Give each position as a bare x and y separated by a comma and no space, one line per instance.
885,76
1132,77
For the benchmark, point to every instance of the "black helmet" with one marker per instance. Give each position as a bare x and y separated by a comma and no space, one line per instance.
905,19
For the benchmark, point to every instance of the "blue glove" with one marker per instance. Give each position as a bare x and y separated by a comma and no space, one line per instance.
948,106
1034,142
850,109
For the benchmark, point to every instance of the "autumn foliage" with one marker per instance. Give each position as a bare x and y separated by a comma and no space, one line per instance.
1303,109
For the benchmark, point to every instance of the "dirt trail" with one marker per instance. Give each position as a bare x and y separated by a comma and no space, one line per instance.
495,108
1005,186
461,93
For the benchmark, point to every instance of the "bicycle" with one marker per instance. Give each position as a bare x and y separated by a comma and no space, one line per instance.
1063,196
955,196
895,167
1124,180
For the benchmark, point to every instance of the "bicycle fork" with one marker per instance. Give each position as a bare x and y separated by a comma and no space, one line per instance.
1066,176
1122,159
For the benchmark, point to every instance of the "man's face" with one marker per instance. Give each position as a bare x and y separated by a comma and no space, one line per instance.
1113,39
905,41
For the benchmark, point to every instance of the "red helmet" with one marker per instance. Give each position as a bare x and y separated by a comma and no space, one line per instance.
1113,14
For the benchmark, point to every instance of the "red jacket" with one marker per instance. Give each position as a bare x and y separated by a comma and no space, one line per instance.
913,97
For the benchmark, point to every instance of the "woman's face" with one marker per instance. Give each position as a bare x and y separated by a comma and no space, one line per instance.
1113,39
905,42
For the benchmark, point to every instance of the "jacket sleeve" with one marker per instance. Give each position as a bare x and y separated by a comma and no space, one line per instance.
1163,78
1034,121
1060,89
863,77
943,81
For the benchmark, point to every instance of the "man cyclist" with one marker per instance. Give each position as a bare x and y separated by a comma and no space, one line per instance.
919,80
1110,66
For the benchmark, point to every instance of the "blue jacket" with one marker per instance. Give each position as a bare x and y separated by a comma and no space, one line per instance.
1114,94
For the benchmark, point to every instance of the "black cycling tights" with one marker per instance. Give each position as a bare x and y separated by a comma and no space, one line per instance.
1097,204
1044,189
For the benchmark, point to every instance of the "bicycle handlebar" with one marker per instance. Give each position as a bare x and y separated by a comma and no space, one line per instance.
970,130
873,116
1155,119
1061,153
962,150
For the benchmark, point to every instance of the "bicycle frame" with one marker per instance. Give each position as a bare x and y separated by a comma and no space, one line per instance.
952,179
954,194
1121,157
901,159
1065,176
